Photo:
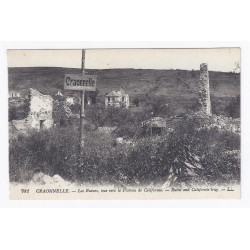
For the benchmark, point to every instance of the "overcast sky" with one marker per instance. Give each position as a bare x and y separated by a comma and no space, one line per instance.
222,59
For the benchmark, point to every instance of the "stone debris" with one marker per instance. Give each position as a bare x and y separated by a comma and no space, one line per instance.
222,123
43,179
106,130
119,140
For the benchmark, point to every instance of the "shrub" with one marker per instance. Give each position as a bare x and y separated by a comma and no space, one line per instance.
187,155
136,101
20,111
47,151
234,107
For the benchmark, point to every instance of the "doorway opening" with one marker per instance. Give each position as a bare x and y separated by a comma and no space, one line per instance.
42,124
156,131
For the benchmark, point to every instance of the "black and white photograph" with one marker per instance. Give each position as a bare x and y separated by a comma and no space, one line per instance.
156,123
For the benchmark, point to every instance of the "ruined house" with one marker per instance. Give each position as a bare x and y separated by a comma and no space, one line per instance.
117,99
154,126
39,115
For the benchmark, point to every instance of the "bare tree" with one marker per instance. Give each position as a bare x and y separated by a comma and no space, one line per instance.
237,67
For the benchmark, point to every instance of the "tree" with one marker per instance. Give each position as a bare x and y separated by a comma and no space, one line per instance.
193,74
237,67
91,95
214,84
19,112
233,108
159,106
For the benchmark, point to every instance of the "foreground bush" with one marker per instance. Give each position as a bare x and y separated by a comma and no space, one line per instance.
185,156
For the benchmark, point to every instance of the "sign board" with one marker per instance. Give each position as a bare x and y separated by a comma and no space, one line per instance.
80,82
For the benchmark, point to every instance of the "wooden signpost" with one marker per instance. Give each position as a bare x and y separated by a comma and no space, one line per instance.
81,82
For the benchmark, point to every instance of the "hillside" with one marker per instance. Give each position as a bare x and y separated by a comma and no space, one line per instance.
134,81
178,86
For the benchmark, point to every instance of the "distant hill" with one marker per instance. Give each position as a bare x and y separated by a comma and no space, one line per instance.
178,85
134,81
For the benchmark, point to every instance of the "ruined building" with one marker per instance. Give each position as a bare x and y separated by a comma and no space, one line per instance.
117,99
39,115
204,93
154,126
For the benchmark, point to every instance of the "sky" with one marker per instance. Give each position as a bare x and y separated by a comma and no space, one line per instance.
218,59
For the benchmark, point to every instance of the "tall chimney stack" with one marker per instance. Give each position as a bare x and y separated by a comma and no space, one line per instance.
204,93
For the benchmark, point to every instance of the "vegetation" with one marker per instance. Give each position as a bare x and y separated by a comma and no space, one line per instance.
180,157
233,107
227,106
136,101
191,152
18,110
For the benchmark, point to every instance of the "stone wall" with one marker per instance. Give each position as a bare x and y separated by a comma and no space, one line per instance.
41,107
40,113
204,92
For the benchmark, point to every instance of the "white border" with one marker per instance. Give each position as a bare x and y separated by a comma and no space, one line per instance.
245,120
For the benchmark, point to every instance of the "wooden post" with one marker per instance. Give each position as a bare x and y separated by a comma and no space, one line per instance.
82,114
83,62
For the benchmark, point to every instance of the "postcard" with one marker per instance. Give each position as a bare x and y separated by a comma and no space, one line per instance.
124,124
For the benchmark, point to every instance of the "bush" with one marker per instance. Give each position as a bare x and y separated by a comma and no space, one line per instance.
51,152
218,151
20,111
234,107
136,101
112,116
159,106
187,155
